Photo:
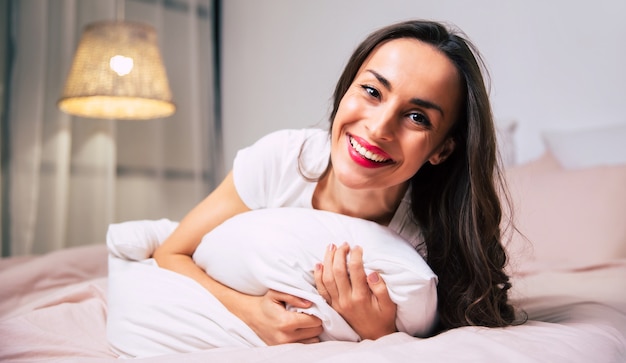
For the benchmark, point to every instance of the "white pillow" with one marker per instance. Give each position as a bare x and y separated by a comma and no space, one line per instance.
278,249
589,147
137,240
251,252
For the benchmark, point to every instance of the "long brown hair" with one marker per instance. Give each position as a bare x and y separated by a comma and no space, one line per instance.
456,203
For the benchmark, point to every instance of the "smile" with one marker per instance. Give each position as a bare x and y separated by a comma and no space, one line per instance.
368,153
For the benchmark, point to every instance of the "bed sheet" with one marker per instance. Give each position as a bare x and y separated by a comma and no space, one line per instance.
53,308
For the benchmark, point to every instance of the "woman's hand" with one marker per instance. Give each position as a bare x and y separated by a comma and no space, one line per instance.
363,301
274,324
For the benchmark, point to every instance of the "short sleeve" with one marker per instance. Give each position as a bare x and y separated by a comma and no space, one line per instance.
252,168
266,174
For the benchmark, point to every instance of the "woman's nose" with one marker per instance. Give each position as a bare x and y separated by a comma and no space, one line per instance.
382,125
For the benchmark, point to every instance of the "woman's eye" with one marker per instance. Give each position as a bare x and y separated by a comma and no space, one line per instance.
371,91
419,119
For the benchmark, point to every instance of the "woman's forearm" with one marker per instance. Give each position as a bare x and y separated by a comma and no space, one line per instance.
266,315
175,252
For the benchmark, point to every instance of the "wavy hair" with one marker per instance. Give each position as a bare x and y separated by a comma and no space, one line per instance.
456,203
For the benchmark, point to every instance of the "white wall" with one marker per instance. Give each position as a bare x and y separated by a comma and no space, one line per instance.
557,64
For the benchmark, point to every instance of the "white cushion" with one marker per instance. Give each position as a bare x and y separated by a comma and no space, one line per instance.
278,249
251,252
589,147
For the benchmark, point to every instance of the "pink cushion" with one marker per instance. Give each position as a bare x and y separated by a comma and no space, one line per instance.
571,219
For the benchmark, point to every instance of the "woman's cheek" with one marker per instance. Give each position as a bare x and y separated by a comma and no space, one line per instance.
349,109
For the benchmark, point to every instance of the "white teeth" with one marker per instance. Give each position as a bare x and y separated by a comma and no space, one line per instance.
366,153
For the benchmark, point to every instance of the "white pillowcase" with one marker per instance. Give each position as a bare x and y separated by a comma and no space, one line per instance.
278,249
137,240
583,148
252,252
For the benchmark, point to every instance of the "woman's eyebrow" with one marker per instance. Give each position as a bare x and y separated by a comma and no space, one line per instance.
384,81
416,101
427,104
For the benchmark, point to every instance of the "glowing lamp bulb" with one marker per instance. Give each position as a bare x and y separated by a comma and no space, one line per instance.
121,65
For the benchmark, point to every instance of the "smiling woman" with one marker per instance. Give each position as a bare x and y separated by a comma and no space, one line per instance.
412,148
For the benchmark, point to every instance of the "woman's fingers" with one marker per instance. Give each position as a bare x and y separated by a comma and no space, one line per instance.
276,325
289,299
319,283
331,276
361,299
358,278
327,277
378,287
310,340
309,326
339,271
341,280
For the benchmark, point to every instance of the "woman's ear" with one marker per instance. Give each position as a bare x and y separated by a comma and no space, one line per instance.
443,151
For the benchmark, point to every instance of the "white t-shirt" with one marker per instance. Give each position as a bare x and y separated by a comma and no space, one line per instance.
269,174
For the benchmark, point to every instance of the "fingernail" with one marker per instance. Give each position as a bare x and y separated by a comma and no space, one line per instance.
318,266
331,247
306,302
373,277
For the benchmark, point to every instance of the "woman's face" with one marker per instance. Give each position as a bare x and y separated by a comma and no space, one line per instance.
395,116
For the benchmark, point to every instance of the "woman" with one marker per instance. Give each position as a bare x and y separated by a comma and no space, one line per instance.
412,146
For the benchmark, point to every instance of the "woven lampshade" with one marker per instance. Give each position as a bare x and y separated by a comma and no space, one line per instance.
117,73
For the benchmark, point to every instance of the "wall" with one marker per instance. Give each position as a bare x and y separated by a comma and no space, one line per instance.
4,49
554,64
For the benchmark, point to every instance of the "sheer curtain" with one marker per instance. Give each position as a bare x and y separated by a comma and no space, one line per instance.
70,177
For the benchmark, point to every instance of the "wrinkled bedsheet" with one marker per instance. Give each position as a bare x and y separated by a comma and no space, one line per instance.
54,308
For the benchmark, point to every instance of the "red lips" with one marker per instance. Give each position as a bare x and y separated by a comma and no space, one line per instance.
382,157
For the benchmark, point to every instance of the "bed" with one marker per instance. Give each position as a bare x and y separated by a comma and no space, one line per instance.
568,273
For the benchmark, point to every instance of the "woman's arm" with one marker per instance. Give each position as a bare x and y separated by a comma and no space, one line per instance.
266,315
362,300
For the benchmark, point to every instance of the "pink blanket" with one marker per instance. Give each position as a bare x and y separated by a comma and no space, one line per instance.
53,308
